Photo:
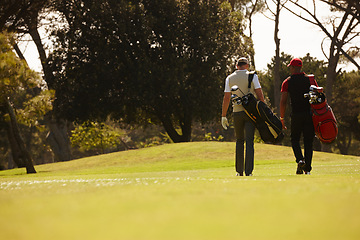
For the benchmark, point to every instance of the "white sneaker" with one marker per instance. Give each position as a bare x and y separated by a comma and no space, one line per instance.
307,173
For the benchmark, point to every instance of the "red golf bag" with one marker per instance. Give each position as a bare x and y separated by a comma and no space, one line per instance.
324,120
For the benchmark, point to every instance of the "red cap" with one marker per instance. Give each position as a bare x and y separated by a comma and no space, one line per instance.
296,62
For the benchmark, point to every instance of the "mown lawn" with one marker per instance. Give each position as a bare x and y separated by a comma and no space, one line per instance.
183,191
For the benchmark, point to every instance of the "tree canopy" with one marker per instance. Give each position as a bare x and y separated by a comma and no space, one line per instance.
17,83
146,61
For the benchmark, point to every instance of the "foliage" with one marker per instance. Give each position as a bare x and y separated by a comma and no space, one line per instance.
316,67
210,137
346,105
96,136
145,60
311,65
26,18
36,108
20,87
267,78
16,16
15,76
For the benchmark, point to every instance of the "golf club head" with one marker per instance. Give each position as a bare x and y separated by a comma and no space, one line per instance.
234,88
316,89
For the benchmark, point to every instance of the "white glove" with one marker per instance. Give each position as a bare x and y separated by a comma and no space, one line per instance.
224,122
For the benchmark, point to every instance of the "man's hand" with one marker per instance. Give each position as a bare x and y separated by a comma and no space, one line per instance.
224,122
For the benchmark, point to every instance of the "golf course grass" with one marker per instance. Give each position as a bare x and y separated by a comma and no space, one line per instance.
183,191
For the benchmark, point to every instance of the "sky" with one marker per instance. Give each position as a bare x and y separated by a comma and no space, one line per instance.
298,38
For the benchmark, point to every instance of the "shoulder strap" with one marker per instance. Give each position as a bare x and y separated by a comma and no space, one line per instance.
250,78
312,80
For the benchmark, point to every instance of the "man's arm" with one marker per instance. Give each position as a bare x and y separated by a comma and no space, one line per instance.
283,100
225,104
257,88
259,94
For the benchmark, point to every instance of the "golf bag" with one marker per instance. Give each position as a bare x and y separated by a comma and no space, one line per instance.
268,125
324,120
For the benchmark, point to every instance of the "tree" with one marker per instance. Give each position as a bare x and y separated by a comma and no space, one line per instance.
248,8
255,7
342,5
98,137
343,30
267,78
346,93
14,78
24,17
146,61
350,8
276,74
277,59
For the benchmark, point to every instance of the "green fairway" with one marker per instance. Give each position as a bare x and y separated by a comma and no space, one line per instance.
183,191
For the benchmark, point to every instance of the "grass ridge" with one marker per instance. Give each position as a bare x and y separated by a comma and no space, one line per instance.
172,157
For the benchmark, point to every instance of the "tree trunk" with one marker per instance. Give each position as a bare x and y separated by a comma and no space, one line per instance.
277,62
57,137
58,140
18,52
34,33
232,3
325,147
171,131
330,80
343,141
186,126
18,141
331,76
174,135
17,157
250,30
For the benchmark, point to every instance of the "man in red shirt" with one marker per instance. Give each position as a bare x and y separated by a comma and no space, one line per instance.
296,86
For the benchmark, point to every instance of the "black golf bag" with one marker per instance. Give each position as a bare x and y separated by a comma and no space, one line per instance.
268,125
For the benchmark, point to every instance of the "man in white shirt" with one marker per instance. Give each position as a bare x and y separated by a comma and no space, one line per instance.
244,128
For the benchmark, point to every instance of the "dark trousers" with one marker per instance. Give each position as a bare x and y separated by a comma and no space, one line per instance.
244,132
301,123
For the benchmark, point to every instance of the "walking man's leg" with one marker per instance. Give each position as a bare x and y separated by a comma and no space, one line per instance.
296,130
239,124
309,134
297,127
249,153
